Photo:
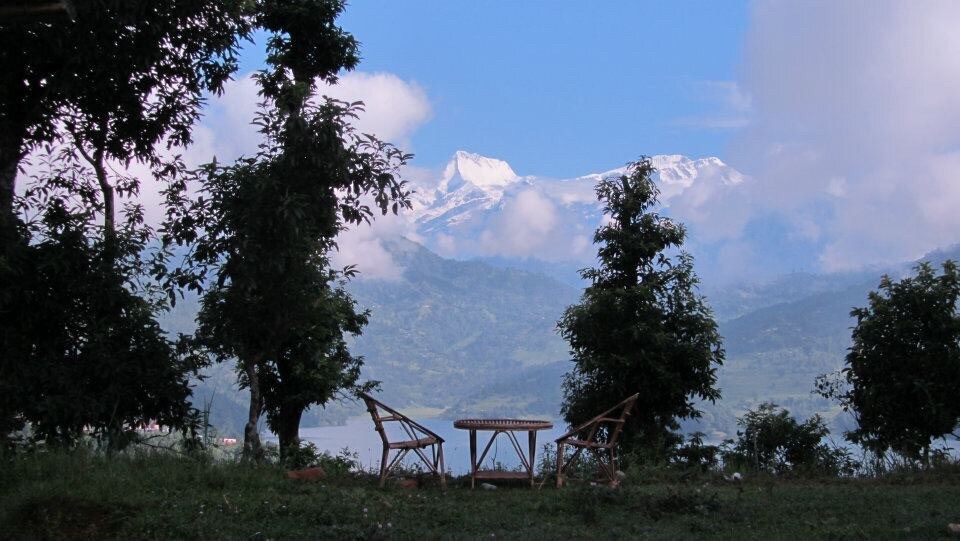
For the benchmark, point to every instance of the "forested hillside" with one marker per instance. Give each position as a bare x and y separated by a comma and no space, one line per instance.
462,338
448,328
447,334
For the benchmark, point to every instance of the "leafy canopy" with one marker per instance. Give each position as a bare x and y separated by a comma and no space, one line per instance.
81,345
120,82
262,228
903,370
640,326
126,75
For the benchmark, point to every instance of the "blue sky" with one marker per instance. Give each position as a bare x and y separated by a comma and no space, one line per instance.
841,116
558,88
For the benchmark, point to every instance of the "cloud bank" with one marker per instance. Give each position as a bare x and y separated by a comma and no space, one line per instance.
394,109
853,134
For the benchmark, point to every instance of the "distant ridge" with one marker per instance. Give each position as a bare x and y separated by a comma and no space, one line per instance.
467,338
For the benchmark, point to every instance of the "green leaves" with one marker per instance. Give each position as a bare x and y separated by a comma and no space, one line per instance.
259,235
903,369
640,326
306,45
82,348
773,441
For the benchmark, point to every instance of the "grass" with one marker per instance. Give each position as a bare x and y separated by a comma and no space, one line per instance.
79,496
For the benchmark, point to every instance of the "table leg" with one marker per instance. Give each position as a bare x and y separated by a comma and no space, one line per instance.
473,458
532,436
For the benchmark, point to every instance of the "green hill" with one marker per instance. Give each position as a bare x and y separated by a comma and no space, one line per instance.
448,328
460,338
447,333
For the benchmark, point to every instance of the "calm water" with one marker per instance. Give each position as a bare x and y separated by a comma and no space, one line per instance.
359,436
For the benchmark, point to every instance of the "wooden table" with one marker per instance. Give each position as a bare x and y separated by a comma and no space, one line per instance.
502,426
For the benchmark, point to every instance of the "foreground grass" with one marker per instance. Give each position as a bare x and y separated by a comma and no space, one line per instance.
77,496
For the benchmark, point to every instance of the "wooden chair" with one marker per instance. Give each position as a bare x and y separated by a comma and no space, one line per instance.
587,436
420,438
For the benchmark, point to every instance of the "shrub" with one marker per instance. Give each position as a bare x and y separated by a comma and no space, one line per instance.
773,441
903,369
694,455
306,455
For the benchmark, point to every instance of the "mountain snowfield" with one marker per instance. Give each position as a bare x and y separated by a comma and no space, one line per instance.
480,207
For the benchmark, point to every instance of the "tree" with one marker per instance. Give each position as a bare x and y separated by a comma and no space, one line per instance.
264,225
903,370
123,77
315,363
120,83
83,349
640,326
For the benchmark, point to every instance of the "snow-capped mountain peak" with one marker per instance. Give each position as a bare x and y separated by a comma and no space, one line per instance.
479,199
681,170
480,171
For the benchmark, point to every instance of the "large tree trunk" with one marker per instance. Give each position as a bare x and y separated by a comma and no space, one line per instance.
10,156
252,450
288,427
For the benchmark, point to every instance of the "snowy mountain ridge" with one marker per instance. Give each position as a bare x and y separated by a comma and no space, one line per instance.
479,171
472,187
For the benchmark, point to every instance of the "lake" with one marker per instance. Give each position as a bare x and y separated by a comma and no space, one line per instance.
358,435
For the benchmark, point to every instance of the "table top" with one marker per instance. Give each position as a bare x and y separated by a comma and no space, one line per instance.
502,424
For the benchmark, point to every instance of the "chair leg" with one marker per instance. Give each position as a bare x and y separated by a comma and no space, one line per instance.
559,465
443,476
383,465
607,469
615,480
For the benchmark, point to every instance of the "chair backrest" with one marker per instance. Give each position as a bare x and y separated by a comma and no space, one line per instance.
609,419
411,428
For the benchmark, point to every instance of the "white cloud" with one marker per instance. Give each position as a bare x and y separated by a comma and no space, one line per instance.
730,261
713,206
394,108
364,246
854,116
225,130
837,187
446,245
524,226
728,94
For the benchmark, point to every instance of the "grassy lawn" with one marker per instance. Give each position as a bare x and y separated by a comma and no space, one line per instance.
76,496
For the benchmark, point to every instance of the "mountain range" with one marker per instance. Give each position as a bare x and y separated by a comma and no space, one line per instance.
478,207
462,329
456,338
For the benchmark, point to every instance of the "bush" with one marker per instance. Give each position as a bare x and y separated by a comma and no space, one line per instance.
694,455
773,441
584,468
306,455
903,369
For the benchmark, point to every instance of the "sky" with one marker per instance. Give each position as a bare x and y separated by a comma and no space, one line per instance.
560,88
843,117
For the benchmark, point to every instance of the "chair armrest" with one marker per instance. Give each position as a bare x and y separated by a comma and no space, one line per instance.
424,429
